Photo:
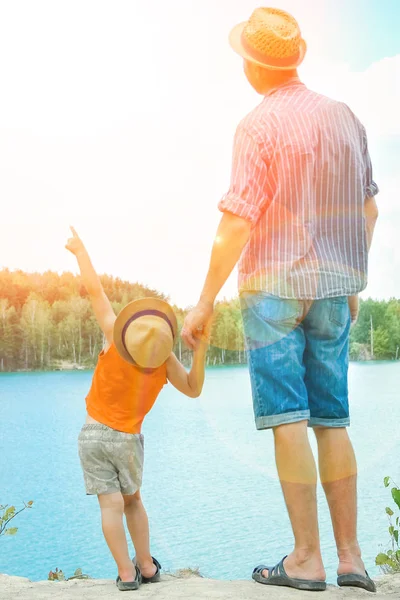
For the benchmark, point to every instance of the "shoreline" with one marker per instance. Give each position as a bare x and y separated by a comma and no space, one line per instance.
184,584
68,369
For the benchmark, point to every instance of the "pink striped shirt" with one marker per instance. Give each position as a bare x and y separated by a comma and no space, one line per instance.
301,173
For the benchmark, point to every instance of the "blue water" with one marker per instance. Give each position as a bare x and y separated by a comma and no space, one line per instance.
210,487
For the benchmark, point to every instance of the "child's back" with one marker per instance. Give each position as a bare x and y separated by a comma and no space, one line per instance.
137,361
121,394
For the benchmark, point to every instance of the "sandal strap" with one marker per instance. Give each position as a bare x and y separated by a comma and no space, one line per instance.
277,569
260,569
157,564
138,577
280,568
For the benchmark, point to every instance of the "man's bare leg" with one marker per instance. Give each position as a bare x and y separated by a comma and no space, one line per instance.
338,473
298,476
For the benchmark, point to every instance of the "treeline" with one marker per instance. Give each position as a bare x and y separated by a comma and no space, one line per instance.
46,323
376,335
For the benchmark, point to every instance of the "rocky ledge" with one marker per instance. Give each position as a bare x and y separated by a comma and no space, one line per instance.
185,585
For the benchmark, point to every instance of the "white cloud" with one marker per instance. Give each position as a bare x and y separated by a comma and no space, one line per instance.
374,94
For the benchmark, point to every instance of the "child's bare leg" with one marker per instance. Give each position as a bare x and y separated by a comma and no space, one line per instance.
112,511
138,525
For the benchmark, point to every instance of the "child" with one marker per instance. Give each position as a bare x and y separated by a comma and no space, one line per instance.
134,365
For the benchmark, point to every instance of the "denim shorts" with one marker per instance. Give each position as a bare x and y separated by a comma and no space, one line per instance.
112,461
298,353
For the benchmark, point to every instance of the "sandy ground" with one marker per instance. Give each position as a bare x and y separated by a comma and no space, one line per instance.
192,588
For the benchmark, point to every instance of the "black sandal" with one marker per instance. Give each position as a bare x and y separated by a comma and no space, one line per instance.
278,576
361,581
128,586
157,575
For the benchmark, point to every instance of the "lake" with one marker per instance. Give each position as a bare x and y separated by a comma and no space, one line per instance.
210,486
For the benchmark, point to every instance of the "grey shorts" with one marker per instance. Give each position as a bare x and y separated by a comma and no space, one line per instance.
112,461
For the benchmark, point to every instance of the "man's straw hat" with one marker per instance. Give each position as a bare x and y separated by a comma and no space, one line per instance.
144,332
271,38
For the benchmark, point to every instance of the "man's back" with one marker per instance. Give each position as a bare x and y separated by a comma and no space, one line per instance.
299,218
312,174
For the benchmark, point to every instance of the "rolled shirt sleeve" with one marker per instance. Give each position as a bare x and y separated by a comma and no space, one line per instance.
247,195
370,187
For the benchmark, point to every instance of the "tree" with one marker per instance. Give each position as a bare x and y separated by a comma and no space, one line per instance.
8,334
381,344
46,322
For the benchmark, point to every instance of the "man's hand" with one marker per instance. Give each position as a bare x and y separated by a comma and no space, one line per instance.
354,304
74,244
197,325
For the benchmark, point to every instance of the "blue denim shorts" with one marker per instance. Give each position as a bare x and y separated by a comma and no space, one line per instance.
298,358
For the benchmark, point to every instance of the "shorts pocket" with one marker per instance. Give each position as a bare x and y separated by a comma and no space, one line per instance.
278,310
339,312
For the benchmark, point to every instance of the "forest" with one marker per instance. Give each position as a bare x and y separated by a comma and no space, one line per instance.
46,323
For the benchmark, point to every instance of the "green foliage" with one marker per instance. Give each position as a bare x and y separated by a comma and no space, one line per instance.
385,334
7,514
389,561
47,323
227,337
58,575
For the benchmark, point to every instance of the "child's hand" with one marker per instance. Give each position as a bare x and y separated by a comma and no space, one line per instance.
74,244
354,307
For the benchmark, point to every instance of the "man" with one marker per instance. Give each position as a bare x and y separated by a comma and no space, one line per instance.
300,214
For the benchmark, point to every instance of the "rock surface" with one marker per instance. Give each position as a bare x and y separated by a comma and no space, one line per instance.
192,587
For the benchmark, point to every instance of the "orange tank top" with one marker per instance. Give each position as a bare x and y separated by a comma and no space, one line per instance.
121,395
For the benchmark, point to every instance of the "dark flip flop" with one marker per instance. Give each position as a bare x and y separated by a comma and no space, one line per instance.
157,575
128,586
278,576
361,581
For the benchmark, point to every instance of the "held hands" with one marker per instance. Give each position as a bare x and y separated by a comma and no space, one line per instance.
74,243
197,325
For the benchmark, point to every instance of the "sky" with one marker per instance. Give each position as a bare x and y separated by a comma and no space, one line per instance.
118,117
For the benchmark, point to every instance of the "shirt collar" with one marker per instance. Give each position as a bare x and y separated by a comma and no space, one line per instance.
290,83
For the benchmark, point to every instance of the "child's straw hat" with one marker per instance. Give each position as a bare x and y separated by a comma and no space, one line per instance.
271,38
145,331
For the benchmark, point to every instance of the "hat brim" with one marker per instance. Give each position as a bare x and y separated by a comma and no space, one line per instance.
235,40
133,308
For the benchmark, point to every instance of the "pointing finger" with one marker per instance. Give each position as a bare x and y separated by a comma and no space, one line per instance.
73,231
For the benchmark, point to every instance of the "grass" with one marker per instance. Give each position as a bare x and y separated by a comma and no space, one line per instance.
185,573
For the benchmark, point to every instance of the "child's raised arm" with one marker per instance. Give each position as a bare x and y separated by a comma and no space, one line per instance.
190,384
101,305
